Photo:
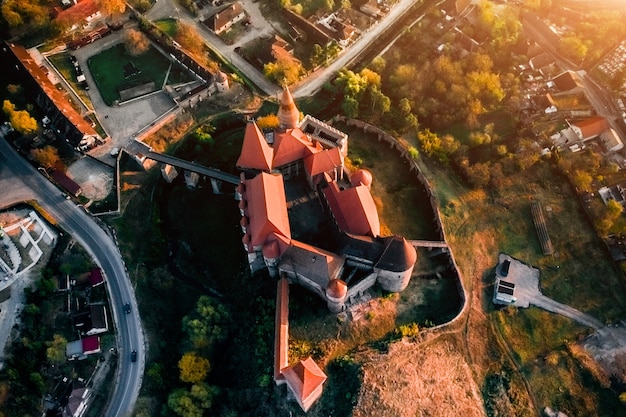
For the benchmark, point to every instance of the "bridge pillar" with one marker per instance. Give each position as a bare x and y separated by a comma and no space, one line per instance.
168,172
216,185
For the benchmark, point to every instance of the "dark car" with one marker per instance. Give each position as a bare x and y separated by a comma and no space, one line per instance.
127,308
133,356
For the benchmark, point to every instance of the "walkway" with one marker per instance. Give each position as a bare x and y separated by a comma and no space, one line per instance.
192,166
549,304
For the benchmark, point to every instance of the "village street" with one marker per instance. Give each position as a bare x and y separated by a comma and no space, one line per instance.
262,27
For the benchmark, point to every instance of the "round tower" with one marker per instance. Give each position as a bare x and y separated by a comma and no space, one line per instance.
221,82
361,176
288,113
336,293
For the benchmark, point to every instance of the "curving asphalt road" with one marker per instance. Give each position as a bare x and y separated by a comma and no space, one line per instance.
19,182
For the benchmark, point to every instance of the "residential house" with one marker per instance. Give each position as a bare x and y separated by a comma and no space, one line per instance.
64,119
81,348
589,128
568,81
91,319
224,19
66,182
78,14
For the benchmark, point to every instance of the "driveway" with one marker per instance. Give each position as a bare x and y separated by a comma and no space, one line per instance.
527,292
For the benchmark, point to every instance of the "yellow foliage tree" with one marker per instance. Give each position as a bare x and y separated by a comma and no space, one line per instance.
193,368
21,120
268,122
47,157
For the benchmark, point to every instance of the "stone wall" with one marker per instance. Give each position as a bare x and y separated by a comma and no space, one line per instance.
403,150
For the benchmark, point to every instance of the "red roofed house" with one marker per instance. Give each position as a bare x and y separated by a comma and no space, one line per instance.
68,123
225,18
81,13
305,380
590,128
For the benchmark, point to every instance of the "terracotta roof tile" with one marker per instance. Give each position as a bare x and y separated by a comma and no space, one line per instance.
255,152
324,161
305,379
267,210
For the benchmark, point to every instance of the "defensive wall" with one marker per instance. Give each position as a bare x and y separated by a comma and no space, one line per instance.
382,136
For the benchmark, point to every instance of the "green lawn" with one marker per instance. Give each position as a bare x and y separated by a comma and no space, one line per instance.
107,69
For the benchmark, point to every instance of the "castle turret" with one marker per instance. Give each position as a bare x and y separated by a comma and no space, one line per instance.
336,293
395,267
288,113
221,82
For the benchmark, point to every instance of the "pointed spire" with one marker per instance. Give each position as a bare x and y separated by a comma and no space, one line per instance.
288,113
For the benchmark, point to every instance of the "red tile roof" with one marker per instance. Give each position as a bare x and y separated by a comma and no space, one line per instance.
354,209
324,161
305,379
288,113
292,145
361,176
281,331
80,11
56,96
593,126
267,211
255,152
91,344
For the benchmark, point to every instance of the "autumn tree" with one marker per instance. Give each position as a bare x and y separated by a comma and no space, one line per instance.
193,368
267,122
56,349
284,71
47,157
188,37
111,8
21,120
582,180
22,13
136,42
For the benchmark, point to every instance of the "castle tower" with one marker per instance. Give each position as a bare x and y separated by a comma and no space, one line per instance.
221,82
288,113
336,293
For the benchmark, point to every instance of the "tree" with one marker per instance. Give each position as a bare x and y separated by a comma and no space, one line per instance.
207,324
56,349
204,134
112,7
21,120
192,403
350,107
189,38
193,368
182,403
19,13
136,42
47,157
267,122
284,71
582,180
